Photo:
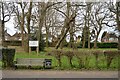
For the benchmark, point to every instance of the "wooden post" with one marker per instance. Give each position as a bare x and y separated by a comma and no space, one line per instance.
37,51
34,44
29,49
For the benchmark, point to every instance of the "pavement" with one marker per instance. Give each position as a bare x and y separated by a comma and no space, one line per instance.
58,74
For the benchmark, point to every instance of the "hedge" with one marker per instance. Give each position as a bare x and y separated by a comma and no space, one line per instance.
99,58
101,45
8,57
13,43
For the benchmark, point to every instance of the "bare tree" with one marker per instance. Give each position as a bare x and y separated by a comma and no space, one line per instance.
7,9
69,20
116,10
28,24
99,19
23,13
86,29
20,15
42,10
118,21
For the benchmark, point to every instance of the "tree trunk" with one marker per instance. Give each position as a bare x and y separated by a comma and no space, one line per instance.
84,36
66,25
88,38
22,28
62,43
71,31
3,26
88,22
3,34
98,32
42,13
95,43
28,25
66,31
46,34
62,38
118,22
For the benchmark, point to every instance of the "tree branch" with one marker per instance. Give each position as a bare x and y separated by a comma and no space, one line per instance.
61,12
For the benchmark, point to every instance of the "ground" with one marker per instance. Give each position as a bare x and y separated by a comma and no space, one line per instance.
65,71
58,74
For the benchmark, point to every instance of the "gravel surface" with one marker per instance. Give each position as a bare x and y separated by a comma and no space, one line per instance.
58,74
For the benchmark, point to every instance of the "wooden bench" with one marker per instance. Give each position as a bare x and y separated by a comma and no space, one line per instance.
30,62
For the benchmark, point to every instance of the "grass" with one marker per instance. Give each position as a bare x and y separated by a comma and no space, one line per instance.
65,63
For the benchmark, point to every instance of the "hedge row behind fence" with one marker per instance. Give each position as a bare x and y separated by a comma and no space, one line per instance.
101,45
85,56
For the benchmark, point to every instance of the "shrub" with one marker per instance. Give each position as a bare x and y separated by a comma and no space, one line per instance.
83,57
41,45
107,45
96,53
57,54
70,55
8,57
110,56
13,43
101,45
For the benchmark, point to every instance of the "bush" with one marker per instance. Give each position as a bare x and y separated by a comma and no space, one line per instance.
8,57
70,55
57,54
101,45
41,45
83,57
107,45
13,43
96,53
110,55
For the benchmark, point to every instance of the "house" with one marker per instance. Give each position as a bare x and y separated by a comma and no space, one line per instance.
15,37
109,37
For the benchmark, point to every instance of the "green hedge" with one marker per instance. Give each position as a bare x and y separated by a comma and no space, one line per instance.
107,45
101,45
8,57
86,59
13,43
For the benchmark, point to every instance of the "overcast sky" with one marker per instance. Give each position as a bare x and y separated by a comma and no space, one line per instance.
11,30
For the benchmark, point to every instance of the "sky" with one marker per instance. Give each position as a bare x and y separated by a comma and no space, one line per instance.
11,30
10,27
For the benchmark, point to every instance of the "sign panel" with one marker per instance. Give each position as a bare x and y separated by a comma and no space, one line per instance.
33,43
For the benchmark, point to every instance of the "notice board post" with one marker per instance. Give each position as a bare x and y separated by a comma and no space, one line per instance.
34,44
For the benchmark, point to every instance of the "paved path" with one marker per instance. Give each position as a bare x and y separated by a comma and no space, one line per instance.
58,74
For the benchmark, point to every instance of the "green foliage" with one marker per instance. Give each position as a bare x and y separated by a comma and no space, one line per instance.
81,58
8,57
41,45
110,55
97,54
69,54
13,43
57,54
107,45
101,45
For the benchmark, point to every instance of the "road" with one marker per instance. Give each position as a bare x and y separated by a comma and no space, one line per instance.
58,74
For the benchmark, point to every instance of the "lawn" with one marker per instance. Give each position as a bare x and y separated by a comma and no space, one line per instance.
65,63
